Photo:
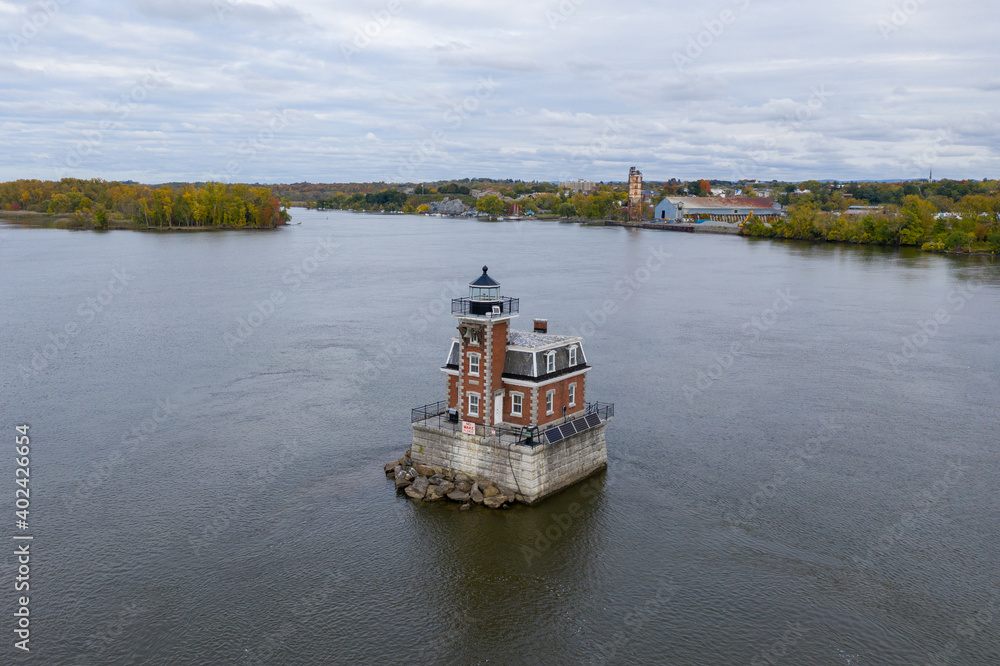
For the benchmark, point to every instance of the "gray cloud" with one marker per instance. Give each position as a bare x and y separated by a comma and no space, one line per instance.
690,90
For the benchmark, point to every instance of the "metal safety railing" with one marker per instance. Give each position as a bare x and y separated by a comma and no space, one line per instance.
438,415
428,411
605,410
500,307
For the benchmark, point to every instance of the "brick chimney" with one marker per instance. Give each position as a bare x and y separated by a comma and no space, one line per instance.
541,326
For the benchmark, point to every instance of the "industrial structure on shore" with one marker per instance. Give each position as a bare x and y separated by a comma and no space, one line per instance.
634,195
719,209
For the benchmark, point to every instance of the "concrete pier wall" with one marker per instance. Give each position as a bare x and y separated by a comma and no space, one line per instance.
533,472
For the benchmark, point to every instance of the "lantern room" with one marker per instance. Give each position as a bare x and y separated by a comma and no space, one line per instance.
484,300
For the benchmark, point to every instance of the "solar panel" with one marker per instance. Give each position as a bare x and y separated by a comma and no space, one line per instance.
570,428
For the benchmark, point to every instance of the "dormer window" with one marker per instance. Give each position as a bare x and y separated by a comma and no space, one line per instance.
474,364
550,362
572,355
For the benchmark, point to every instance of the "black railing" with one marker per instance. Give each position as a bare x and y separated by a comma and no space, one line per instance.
428,411
436,415
605,410
500,307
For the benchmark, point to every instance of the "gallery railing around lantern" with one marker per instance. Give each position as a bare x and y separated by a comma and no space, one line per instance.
474,307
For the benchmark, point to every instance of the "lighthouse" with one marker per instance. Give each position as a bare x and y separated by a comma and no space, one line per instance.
516,412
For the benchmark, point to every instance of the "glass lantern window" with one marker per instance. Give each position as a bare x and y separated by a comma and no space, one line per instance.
485,293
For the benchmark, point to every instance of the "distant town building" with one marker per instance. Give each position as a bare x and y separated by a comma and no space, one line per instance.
582,186
634,195
863,210
722,209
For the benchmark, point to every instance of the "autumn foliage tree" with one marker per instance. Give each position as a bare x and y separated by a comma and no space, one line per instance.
102,203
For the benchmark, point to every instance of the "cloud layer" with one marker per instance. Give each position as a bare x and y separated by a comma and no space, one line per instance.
407,90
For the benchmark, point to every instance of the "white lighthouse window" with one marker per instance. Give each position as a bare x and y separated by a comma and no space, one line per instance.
550,397
572,395
474,336
474,364
473,404
516,400
572,355
550,361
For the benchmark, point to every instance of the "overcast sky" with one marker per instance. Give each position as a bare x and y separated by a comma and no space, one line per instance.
407,90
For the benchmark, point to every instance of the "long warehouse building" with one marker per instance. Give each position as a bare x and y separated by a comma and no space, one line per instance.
722,209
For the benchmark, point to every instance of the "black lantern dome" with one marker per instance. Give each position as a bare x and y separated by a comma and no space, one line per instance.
484,288
484,299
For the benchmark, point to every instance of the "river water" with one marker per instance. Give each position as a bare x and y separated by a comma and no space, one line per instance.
803,467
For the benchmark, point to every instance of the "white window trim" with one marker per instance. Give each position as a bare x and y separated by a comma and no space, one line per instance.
572,355
572,394
550,402
550,360
474,337
520,406
474,355
478,402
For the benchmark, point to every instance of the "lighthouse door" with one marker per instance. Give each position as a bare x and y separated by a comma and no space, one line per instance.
497,409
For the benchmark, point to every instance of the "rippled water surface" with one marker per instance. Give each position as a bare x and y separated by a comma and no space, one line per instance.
803,467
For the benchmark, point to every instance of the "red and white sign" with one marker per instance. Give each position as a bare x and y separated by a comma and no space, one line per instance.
468,428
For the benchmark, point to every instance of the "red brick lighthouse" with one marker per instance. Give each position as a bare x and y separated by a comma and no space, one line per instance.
516,412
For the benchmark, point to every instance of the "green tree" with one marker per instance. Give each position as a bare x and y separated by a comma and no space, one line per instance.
802,223
917,218
566,210
492,205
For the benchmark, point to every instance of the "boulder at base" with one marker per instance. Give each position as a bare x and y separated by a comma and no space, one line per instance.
495,501
401,480
458,496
